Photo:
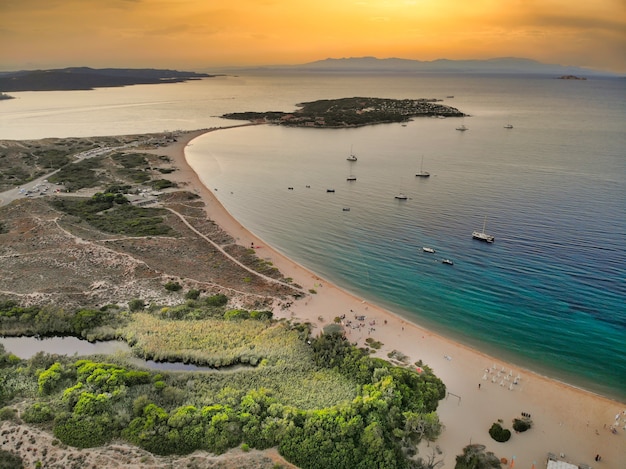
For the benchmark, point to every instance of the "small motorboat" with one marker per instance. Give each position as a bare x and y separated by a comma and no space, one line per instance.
431,250
447,261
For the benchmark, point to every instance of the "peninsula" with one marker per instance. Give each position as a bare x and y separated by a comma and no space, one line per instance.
351,112
85,78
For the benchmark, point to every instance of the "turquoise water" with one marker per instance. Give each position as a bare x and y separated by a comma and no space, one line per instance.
549,294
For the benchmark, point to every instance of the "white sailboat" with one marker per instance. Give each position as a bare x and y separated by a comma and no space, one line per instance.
482,236
352,156
401,195
422,173
462,128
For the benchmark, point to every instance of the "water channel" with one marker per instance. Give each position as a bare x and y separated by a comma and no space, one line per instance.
27,347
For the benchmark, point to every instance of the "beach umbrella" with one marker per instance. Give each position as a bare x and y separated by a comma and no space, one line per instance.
419,369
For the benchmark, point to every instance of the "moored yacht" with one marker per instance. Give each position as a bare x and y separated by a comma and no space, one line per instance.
482,236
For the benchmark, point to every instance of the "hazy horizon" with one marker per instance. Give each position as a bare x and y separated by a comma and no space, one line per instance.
197,35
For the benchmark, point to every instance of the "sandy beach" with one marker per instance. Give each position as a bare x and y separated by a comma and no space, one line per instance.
567,421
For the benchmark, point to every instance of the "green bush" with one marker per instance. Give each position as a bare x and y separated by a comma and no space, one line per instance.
9,460
8,413
160,184
136,305
216,300
173,286
521,425
192,294
499,434
39,412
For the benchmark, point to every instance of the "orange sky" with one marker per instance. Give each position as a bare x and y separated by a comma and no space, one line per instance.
206,34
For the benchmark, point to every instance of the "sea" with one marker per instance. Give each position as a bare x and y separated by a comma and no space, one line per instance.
548,295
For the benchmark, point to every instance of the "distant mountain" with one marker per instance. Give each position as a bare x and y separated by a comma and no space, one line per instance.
85,78
510,65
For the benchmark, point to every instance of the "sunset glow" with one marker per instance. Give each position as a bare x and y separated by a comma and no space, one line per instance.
205,34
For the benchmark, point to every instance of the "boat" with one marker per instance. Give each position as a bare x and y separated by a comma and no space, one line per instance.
351,178
346,209
431,250
508,126
482,236
447,261
462,128
352,156
330,190
401,196
422,173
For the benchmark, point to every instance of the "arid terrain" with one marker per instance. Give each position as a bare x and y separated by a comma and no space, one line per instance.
50,257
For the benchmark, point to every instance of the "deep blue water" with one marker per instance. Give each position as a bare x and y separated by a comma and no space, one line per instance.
549,294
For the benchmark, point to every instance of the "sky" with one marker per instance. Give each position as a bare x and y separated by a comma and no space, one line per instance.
202,35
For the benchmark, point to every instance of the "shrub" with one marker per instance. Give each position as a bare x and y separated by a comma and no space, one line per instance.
521,425
216,300
136,305
499,434
8,413
173,286
37,413
9,460
192,294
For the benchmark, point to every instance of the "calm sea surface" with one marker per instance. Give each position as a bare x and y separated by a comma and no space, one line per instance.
549,294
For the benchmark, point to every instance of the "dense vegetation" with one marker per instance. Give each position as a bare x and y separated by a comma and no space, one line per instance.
321,401
112,213
18,320
79,175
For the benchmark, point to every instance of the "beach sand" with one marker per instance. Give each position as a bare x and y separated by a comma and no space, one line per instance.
567,420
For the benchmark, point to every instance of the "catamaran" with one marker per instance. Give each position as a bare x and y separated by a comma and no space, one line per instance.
482,236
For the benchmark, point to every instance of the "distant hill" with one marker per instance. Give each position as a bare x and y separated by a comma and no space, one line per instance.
505,65
85,78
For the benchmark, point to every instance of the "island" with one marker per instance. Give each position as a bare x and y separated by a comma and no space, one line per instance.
571,77
86,78
351,112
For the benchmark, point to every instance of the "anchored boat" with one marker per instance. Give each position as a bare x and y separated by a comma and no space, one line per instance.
482,236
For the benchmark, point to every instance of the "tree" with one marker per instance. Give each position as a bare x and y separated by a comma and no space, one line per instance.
475,457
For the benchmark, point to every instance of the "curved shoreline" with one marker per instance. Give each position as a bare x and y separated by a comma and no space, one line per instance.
567,419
